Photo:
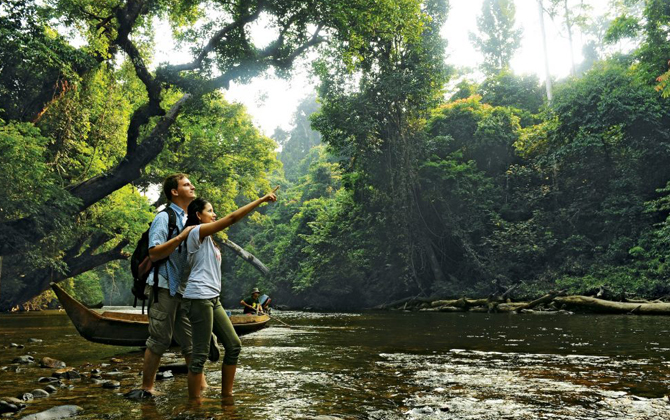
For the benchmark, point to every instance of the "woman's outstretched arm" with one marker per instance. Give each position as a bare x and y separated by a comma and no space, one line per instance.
234,217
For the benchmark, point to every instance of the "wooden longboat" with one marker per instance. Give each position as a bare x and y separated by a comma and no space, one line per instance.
125,329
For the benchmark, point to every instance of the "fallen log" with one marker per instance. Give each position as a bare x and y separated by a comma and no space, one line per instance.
451,309
599,305
509,307
460,303
544,299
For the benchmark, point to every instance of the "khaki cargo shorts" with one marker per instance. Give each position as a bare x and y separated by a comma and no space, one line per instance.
167,321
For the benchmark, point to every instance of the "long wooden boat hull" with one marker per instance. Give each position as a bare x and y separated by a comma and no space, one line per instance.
124,329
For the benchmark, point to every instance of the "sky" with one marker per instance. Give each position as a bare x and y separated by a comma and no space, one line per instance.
271,101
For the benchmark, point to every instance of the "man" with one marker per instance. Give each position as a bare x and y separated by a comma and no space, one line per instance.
166,320
252,305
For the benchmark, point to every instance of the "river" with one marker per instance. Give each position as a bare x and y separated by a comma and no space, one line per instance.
378,365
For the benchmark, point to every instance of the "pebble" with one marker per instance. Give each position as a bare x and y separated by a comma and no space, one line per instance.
48,362
164,375
111,384
96,371
14,401
93,376
26,396
55,413
67,373
116,360
47,379
35,340
39,393
50,389
24,359
6,407
113,373
13,345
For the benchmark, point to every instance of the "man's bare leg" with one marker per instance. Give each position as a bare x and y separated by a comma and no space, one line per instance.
149,369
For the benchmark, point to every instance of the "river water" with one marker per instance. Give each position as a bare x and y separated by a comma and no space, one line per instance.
378,365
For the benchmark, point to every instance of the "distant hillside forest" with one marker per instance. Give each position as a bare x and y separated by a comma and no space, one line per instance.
401,176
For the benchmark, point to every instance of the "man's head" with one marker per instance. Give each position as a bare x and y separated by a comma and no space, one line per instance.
178,189
255,293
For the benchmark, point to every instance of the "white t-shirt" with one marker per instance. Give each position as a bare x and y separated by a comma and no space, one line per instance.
204,259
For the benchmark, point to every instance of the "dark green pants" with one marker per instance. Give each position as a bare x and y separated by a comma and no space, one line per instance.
207,316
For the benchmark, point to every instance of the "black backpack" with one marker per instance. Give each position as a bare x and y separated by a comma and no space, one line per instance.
141,264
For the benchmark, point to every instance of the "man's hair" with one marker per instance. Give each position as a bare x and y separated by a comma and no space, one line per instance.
172,183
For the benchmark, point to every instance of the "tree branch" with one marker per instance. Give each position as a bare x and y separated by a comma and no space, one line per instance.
218,36
19,234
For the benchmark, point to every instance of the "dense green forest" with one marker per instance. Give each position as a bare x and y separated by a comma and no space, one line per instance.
401,175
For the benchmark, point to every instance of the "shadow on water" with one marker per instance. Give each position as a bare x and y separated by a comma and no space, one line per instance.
377,365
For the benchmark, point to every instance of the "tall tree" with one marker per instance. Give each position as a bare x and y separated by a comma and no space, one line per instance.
297,143
572,15
497,40
375,129
545,52
82,167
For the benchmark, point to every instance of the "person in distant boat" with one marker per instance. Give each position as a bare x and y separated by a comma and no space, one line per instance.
253,304
203,288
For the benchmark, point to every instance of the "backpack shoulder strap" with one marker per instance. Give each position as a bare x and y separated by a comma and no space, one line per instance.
172,222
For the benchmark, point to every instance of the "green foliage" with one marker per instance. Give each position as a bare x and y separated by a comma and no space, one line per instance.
508,89
30,182
497,39
37,63
225,156
297,143
622,27
85,288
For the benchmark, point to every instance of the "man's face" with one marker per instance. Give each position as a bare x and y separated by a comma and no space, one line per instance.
185,189
255,295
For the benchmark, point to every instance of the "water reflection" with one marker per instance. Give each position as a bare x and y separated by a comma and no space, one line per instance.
380,366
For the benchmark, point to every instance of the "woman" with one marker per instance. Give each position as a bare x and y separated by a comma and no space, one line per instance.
201,295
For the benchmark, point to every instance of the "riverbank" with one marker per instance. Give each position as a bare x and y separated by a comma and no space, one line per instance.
551,303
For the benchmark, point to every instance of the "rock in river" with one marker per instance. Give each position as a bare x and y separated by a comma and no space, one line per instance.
55,413
7,407
66,373
48,379
24,359
50,389
35,340
39,393
48,362
111,384
17,402
164,375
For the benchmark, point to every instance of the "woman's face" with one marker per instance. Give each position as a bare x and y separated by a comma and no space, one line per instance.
207,215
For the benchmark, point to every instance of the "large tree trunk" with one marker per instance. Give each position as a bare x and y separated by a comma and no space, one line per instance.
77,263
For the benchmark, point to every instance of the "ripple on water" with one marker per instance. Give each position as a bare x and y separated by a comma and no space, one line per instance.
493,385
